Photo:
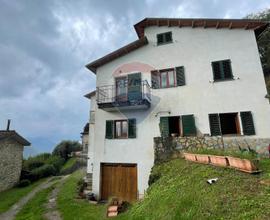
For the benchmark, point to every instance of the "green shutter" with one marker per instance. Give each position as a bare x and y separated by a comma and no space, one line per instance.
216,70
109,129
214,124
134,87
188,123
164,126
227,69
247,123
222,70
180,76
132,128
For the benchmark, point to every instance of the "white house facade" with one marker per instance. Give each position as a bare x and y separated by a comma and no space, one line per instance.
182,77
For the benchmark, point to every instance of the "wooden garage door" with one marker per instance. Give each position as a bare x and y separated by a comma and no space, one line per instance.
119,180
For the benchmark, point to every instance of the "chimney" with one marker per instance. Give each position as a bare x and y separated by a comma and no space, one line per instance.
8,124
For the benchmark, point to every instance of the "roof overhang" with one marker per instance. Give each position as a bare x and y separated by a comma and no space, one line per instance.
90,94
257,25
11,134
117,53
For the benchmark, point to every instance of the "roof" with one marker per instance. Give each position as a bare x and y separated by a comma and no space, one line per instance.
86,129
117,53
11,134
257,25
90,94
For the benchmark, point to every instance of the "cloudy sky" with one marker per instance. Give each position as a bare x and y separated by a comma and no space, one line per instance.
44,46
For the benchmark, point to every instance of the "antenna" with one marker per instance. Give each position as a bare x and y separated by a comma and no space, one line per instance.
8,124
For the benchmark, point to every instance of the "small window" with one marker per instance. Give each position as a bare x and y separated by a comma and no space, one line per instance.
222,70
164,38
121,129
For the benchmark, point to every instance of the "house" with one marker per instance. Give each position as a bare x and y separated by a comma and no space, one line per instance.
183,77
85,139
11,156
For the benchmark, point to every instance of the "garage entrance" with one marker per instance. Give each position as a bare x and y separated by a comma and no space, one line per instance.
119,180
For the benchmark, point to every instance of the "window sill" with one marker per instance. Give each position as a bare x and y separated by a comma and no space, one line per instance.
166,87
160,44
223,80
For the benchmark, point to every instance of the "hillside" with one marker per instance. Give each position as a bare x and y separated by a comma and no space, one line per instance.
181,192
267,81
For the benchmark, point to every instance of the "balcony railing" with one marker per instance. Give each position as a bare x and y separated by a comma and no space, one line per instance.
126,96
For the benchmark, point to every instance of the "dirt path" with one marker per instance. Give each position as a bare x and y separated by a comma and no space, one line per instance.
52,213
11,213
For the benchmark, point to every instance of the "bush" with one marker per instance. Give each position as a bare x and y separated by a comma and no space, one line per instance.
36,161
56,161
64,148
44,171
24,183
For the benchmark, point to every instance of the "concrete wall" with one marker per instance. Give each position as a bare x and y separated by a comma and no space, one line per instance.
11,155
195,49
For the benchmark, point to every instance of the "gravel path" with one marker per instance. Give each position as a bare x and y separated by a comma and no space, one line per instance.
51,206
11,213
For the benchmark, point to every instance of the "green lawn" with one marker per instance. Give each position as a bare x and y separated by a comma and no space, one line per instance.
181,192
35,208
11,196
72,208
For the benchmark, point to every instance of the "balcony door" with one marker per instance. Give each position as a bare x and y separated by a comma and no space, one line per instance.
134,87
121,89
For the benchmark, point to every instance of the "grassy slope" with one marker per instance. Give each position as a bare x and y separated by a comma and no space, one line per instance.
69,164
182,193
11,196
35,208
71,208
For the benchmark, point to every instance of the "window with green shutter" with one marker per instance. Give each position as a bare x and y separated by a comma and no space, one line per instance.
132,128
222,70
164,38
188,123
247,123
180,76
214,124
109,129
164,126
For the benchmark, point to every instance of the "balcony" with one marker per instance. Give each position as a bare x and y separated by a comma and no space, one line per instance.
124,95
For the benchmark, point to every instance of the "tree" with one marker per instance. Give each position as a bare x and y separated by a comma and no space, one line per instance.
264,44
64,148
264,39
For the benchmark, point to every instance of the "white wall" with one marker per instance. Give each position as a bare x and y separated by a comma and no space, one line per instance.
195,49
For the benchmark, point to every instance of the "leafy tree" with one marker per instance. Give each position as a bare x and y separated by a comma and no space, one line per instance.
64,148
264,40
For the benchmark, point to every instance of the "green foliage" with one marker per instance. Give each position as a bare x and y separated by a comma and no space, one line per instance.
11,196
56,161
64,148
70,166
24,183
44,171
264,40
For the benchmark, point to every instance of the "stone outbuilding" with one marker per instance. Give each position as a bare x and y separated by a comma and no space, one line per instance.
11,157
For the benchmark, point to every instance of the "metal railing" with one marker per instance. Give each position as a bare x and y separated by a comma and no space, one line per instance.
124,93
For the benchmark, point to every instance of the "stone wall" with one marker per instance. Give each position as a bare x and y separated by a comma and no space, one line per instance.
171,147
11,155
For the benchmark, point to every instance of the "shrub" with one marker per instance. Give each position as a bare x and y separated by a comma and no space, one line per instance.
24,183
44,171
64,148
56,161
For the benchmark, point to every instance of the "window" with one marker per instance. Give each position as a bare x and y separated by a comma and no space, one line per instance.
168,78
120,129
177,126
222,70
121,88
164,38
228,124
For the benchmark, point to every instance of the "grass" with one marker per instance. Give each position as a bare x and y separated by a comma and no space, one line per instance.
70,163
11,196
182,193
72,208
35,208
